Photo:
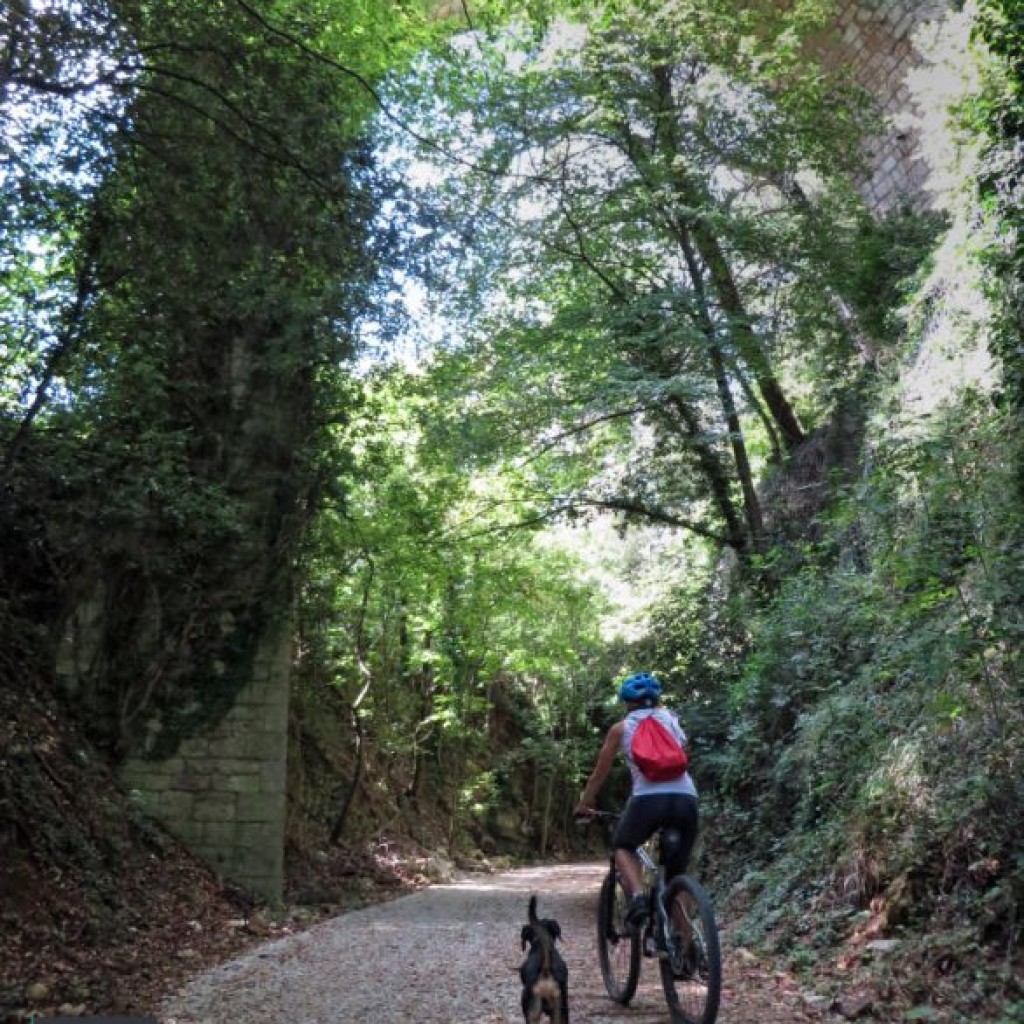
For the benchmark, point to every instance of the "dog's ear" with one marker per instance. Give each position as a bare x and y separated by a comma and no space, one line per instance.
527,935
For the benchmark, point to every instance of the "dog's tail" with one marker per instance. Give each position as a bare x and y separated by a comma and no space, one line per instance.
543,937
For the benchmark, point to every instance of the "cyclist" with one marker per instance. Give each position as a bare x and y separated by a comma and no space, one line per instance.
651,805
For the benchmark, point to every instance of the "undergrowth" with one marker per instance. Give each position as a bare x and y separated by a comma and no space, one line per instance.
873,764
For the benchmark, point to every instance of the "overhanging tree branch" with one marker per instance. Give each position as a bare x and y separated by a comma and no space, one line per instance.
582,428
629,506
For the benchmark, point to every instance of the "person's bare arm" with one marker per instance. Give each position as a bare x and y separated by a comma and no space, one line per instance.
605,760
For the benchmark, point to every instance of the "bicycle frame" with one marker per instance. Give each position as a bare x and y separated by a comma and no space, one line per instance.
658,927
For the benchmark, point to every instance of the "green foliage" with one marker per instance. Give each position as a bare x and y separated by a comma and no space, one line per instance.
877,715
883,263
998,115
639,251
188,254
464,647
645,241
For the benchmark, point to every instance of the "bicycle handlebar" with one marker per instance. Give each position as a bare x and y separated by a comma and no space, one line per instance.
596,815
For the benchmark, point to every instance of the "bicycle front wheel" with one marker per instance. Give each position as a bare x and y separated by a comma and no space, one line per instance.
618,946
691,974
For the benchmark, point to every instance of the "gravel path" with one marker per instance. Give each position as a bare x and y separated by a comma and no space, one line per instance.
451,953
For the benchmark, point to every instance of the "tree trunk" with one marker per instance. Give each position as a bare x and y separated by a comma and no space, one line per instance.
717,473
357,778
747,342
357,725
545,823
424,680
748,345
751,505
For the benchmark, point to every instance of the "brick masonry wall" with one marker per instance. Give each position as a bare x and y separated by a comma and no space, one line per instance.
223,793
891,49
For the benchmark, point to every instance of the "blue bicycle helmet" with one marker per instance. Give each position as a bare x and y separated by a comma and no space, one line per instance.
640,686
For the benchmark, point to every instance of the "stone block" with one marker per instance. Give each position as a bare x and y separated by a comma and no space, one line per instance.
889,11
219,835
215,807
191,781
136,776
194,746
241,783
273,776
240,747
257,834
275,716
224,732
256,696
158,782
895,78
188,830
201,765
245,716
175,805
225,767
250,699
258,807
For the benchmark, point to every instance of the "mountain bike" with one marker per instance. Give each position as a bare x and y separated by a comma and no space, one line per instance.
680,932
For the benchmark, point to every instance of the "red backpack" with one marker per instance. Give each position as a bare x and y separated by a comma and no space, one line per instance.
656,752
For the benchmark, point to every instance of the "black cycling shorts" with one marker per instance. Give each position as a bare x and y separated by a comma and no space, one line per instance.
644,815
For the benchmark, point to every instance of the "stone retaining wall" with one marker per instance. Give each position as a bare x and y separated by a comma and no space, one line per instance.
223,793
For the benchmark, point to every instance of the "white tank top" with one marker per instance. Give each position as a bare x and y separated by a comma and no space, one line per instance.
643,786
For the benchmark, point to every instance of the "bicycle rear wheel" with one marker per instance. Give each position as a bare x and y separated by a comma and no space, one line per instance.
691,974
618,947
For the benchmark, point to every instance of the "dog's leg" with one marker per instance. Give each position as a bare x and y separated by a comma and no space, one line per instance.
536,1008
527,1002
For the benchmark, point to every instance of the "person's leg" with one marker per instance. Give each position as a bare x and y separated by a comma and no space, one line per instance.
636,826
680,811
628,864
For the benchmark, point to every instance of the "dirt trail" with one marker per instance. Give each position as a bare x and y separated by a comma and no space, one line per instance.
450,953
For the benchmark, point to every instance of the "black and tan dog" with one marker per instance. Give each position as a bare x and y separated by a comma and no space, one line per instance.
544,973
